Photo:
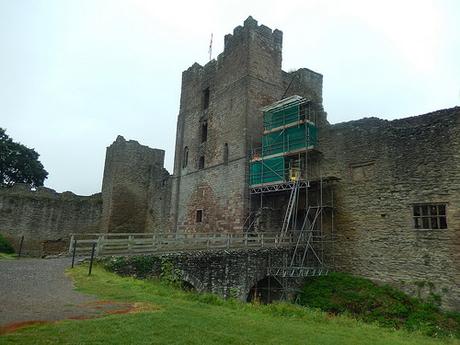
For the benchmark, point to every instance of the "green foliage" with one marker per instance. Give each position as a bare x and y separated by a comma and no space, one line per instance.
142,266
5,246
19,164
340,293
169,274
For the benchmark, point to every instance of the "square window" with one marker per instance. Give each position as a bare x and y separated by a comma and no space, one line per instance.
429,216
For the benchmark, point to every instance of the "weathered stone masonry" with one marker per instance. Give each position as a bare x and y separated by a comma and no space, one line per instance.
46,218
135,189
228,273
385,168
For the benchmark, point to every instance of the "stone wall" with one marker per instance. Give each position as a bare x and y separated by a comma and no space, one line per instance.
385,168
46,218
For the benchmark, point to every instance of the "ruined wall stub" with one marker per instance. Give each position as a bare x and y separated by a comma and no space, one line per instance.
225,95
134,189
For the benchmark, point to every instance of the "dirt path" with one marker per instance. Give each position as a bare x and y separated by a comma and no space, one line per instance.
38,290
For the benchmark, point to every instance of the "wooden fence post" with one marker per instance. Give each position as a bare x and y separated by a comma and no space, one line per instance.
93,249
72,239
130,243
74,250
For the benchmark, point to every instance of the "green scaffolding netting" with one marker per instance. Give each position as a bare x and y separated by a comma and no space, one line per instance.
290,139
281,117
267,170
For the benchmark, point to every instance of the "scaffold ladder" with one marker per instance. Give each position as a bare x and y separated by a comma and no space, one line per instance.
291,209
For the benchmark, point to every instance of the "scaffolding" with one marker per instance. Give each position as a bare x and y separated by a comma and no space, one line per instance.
282,168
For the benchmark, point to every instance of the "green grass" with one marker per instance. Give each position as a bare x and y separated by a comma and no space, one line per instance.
190,318
342,293
4,256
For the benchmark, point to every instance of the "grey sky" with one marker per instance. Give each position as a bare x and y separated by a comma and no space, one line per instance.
75,74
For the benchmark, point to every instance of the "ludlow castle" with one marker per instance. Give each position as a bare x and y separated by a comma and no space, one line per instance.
255,153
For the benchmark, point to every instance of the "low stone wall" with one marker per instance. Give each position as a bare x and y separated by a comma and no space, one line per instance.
46,218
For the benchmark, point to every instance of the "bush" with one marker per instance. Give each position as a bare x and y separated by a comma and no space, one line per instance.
143,266
342,293
5,246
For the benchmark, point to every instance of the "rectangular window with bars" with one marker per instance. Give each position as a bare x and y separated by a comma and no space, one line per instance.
430,216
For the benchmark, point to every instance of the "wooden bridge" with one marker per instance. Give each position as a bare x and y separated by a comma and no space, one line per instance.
159,243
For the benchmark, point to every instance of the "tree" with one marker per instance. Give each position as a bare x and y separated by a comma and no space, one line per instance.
19,164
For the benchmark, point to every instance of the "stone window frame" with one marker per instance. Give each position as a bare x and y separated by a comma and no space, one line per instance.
429,216
199,216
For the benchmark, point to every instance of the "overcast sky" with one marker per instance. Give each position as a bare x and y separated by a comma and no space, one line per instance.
74,74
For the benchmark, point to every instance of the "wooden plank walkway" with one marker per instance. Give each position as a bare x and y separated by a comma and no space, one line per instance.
159,243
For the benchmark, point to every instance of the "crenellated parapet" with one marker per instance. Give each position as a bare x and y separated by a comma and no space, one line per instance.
241,34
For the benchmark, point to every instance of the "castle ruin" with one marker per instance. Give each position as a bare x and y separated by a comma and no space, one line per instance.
392,187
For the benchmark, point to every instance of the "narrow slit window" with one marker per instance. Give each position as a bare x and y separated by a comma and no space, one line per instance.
206,98
225,153
185,158
201,162
204,131
199,216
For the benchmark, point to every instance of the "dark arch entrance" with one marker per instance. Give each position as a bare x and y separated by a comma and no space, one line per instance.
187,286
265,291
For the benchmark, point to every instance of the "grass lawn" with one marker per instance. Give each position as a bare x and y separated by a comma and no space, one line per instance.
5,256
189,318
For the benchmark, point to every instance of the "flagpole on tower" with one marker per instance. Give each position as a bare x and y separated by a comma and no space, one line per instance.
210,49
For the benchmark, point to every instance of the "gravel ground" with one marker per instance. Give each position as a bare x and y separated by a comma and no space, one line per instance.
37,289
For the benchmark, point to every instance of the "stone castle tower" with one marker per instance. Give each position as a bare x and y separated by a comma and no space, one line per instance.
220,121
135,188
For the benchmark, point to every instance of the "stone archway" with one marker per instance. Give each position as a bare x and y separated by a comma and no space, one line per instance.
190,283
265,291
